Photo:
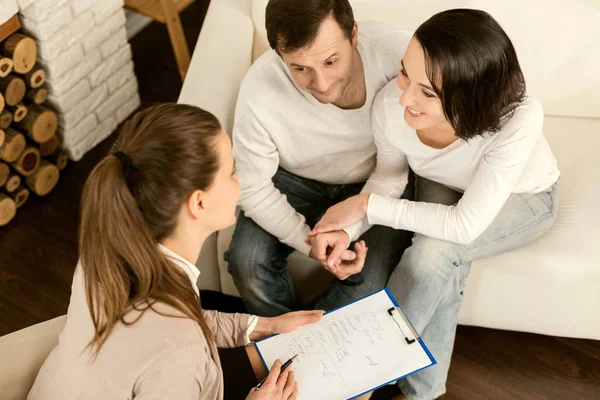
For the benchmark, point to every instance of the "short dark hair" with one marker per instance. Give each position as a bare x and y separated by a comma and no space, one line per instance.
470,55
294,24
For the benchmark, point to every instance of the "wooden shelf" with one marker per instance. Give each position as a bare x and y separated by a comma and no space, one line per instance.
153,8
9,27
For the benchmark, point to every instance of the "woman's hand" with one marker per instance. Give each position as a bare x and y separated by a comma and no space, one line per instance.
278,386
284,323
343,214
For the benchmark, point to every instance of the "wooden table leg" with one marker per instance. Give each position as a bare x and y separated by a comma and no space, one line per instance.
180,48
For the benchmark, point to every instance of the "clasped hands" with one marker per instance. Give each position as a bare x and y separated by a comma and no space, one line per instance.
329,243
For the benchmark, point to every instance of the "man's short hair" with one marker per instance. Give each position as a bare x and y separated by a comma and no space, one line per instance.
294,24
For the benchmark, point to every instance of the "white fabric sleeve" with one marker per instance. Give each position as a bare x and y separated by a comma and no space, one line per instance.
391,171
497,174
257,160
252,321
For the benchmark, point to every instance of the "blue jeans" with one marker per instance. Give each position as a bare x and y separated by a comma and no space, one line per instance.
258,260
430,278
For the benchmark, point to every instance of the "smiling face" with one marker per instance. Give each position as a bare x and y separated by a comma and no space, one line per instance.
423,108
324,69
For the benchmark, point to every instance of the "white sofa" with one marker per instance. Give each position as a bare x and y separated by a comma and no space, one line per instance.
551,287
22,354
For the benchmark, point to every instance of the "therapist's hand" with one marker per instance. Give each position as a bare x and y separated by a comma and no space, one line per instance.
278,386
343,214
284,323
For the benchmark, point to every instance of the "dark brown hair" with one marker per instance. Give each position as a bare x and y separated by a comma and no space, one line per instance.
294,24
125,214
473,68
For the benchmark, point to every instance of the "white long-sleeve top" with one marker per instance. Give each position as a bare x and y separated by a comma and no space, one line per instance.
279,124
487,169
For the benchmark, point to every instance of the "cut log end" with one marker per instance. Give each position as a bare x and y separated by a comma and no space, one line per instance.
14,144
40,124
28,162
44,179
60,159
19,112
8,209
23,52
38,96
4,173
6,118
49,146
13,183
20,196
6,66
36,77
13,88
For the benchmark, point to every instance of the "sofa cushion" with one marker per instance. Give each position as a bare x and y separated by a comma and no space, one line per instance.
22,355
558,53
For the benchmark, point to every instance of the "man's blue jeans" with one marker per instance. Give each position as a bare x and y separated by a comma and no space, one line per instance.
430,279
258,261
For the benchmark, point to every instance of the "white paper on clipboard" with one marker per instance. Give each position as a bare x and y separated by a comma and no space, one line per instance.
351,350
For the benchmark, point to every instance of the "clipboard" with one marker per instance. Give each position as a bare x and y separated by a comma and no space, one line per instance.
382,332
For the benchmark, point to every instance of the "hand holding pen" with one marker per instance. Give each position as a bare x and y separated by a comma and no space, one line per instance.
279,384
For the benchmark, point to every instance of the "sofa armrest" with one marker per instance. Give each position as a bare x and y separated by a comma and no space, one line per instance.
22,354
220,60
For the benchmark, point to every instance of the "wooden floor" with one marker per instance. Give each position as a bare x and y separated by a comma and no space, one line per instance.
38,253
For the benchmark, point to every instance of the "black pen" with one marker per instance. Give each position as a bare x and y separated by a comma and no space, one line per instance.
283,367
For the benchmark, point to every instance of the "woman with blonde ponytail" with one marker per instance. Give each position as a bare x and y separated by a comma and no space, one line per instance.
135,328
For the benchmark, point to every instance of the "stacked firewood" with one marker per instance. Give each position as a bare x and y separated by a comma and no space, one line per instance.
30,154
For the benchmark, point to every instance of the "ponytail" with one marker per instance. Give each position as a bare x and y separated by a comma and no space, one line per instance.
118,241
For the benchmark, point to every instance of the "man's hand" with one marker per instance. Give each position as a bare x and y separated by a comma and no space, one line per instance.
330,249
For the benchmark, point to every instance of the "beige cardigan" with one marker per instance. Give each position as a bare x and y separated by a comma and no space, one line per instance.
157,357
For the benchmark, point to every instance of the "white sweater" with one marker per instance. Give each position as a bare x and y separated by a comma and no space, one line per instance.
488,169
279,124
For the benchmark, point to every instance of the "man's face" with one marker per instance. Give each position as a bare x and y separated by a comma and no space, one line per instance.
324,69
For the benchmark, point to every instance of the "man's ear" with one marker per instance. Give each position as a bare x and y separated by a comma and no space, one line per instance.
197,204
355,35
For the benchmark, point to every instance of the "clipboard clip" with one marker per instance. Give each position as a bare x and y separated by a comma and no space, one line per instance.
396,313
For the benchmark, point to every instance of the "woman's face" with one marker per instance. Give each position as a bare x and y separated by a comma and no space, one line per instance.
224,193
422,107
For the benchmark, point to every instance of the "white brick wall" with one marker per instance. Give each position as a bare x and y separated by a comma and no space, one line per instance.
45,29
83,46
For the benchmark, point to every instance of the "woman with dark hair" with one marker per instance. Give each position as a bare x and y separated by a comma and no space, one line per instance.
459,117
135,328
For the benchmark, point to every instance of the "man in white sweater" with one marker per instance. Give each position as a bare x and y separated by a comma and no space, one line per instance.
302,141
